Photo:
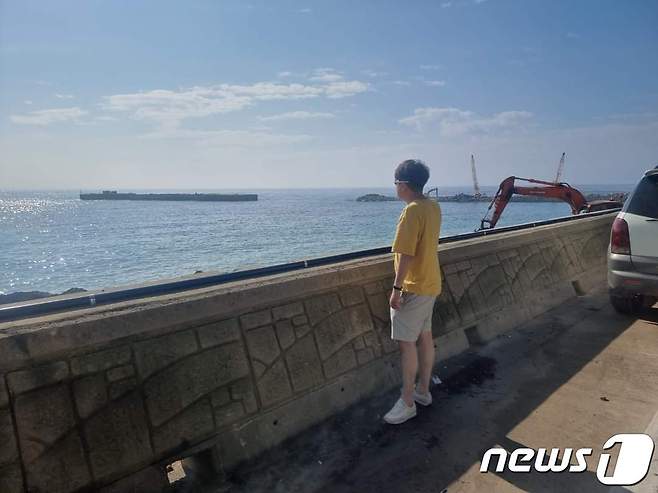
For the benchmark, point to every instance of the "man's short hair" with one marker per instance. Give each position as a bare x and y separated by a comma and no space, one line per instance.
414,172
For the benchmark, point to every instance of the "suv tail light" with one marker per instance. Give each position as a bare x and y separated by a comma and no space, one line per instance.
620,239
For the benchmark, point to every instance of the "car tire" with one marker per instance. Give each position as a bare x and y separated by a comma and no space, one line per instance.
627,305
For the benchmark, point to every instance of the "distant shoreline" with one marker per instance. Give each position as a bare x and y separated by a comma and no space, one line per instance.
19,296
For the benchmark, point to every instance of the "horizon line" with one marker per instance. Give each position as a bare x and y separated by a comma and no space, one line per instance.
270,188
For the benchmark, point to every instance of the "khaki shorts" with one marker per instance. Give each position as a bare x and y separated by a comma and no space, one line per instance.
413,317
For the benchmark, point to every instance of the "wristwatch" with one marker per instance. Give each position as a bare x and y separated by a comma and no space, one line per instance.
397,288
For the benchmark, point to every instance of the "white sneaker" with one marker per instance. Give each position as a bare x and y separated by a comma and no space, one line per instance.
422,399
400,413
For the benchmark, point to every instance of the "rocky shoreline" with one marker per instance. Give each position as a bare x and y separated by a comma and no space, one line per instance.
375,197
464,197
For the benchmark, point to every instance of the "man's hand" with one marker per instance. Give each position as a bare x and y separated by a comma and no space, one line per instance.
403,268
395,299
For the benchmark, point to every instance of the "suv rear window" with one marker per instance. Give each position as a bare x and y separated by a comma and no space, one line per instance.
644,201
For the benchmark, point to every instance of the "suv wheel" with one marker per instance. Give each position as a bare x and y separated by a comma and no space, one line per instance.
628,305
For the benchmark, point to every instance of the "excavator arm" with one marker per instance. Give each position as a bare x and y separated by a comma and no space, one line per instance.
508,188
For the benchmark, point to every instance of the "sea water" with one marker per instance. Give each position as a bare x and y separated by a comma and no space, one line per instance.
52,241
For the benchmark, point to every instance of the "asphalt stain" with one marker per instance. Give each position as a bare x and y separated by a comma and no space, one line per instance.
475,373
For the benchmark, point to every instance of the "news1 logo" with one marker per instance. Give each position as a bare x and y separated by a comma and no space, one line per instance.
632,465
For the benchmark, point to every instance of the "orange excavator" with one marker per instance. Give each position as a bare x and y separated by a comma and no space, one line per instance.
559,191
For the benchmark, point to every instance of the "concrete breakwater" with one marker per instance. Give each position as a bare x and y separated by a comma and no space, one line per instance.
197,197
104,398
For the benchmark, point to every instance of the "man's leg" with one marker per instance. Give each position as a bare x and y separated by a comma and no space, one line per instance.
425,361
409,362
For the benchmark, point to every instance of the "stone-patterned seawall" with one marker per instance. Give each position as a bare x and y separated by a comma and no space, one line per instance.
104,398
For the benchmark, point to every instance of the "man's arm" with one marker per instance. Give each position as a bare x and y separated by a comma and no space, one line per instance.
404,244
403,268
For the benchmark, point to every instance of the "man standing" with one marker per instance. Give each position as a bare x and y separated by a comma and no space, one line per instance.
416,286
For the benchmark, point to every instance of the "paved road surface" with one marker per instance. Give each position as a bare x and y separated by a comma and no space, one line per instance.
572,377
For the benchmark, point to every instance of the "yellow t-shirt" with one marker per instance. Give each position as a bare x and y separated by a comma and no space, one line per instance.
418,235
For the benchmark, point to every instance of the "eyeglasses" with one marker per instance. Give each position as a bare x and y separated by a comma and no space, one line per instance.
397,182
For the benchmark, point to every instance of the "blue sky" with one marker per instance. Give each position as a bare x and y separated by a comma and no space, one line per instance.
221,94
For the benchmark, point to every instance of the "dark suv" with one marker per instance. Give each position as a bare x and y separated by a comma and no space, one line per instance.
633,251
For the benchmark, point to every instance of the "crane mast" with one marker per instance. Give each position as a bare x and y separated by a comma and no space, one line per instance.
476,186
560,169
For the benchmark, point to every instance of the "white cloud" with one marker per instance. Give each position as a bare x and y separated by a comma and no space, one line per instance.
230,138
284,74
477,2
325,75
305,11
445,5
345,89
373,73
571,35
27,101
430,67
64,96
453,121
265,91
169,108
296,115
47,117
435,83
401,83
